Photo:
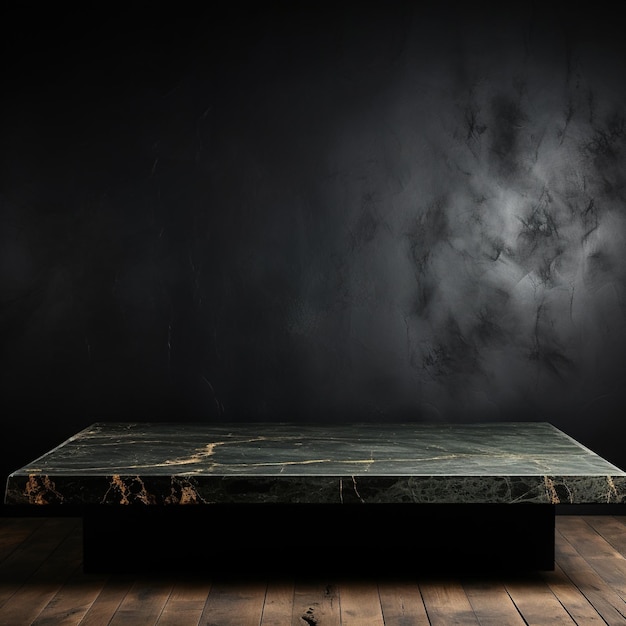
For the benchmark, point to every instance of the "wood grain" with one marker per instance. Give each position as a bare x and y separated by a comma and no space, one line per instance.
447,603
402,604
42,583
233,604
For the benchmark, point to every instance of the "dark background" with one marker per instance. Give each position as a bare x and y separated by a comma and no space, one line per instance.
312,212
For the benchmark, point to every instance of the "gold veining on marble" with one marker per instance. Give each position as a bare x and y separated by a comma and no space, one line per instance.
356,491
203,454
188,493
210,448
553,496
37,487
354,488
289,462
117,483
143,496
612,492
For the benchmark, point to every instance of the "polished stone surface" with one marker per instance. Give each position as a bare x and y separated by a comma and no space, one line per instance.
195,463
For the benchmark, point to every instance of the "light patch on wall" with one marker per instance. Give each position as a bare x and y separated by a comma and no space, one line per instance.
480,234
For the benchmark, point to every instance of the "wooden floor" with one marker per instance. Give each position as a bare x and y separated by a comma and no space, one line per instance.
41,582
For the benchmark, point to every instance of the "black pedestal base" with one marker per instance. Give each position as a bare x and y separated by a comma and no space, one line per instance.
368,540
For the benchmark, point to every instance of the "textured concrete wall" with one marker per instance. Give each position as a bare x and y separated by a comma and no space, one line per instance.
314,213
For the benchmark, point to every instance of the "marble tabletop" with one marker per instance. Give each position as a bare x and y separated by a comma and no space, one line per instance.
207,463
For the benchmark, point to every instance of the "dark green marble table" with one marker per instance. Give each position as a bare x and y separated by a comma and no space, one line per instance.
210,495
196,463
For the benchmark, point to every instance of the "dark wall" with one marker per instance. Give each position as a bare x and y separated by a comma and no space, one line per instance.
393,211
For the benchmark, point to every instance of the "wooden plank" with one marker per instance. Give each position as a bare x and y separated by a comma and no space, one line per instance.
447,604
24,560
14,531
29,601
612,571
359,604
402,604
278,605
186,603
612,528
143,604
25,605
536,602
234,604
587,541
608,562
108,601
190,590
590,587
316,604
574,602
72,601
604,599
185,612
491,603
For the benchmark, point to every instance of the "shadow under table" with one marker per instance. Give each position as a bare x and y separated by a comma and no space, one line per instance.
299,499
